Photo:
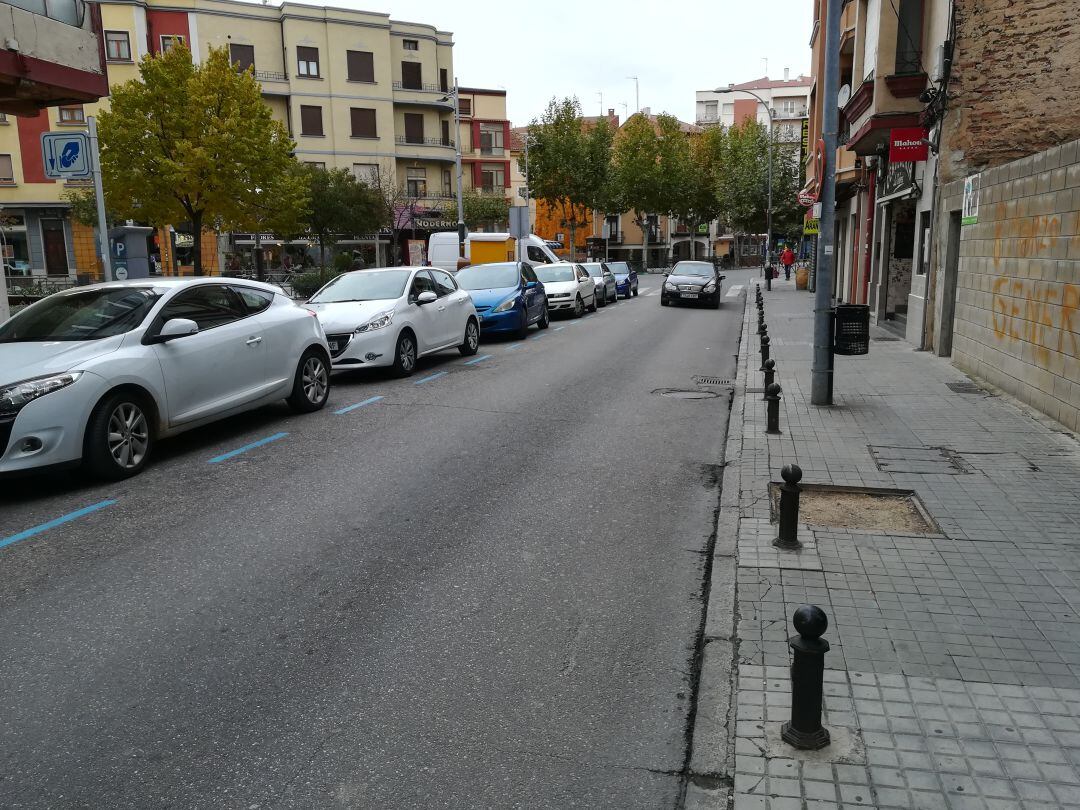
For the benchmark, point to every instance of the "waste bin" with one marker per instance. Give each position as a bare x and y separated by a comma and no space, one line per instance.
851,330
802,276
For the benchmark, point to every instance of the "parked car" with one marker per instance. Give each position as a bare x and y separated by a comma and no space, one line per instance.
626,279
607,289
569,288
392,316
692,282
98,374
508,296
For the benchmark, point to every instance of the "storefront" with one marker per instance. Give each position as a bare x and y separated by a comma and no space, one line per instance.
894,245
36,240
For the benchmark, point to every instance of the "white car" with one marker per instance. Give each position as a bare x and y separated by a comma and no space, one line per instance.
569,287
97,374
391,316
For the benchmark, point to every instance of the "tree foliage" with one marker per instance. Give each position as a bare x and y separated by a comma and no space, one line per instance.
340,206
480,209
193,142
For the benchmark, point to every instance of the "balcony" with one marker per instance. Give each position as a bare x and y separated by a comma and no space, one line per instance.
708,120
613,238
271,76
426,88
786,115
405,139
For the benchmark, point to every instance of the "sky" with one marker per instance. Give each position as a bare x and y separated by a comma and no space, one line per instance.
537,50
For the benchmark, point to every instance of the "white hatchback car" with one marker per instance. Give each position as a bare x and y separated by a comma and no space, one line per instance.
97,374
569,287
391,316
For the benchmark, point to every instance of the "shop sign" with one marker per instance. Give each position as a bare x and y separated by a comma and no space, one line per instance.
899,180
804,148
184,240
811,227
908,145
969,213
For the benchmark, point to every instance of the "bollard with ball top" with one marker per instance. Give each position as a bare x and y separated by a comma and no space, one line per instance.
788,537
770,372
804,730
766,342
772,408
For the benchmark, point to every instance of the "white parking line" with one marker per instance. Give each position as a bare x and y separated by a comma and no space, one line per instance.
734,291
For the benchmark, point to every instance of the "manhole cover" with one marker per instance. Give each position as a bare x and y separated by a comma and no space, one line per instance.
676,393
711,381
919,460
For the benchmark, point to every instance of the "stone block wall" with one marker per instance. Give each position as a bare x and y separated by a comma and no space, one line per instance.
1017,321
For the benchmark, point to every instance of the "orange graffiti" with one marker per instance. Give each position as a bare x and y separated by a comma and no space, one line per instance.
1032,312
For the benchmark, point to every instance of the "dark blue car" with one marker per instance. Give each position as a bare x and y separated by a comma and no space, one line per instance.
626,281
507,295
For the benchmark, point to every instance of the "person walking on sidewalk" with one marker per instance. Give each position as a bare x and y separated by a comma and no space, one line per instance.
787,258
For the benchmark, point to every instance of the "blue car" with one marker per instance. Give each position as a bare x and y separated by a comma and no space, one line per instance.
507,295
625,279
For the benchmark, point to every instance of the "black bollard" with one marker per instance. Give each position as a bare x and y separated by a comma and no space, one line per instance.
765,343
772,408
804,730
789,508
761,327
768,278
770,372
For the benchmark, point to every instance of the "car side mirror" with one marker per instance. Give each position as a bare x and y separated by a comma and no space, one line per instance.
175,328
529,285
722,277
426,297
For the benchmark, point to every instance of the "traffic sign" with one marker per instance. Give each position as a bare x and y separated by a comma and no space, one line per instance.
120,271
66,155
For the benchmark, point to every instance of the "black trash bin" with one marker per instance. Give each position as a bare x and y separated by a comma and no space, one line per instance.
851,330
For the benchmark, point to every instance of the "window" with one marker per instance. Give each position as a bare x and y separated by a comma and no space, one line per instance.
363,122
7,174
416,182
410,44
209,305
411,76
447,188
491,139
611,226
3,118
446,134
367,173
315,164
421,283
465,106
710,110
72,115
243,56
729,109
444,285
170,41
117,46
444,83
310,120
535,254
492,176
909,37
414,128
527,272
361,65
307,62
254,300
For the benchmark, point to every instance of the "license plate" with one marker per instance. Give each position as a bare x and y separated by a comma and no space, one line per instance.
689,295
333,344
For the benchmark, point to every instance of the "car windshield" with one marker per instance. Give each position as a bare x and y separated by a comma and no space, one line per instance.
364,285
693,269
488,276
595,269
555,272
619,268
82,315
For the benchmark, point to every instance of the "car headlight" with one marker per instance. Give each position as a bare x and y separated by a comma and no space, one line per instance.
669,285
380,321
14,397
506,305
710,287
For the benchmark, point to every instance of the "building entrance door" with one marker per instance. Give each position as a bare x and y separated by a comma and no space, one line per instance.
54,247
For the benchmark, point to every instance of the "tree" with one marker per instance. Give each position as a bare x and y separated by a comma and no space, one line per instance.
340,205
635,171
193,142
282,207
479,210
397,207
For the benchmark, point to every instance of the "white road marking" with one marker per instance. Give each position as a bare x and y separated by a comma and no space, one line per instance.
734,291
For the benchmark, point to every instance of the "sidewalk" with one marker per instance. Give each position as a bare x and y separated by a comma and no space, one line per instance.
954,675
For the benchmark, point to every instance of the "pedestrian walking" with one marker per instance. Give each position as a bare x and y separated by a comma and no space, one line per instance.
787,258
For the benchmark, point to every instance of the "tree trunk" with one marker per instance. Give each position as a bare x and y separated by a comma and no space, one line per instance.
196,226
573,240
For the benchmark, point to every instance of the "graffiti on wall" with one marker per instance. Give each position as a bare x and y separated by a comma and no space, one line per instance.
1043,315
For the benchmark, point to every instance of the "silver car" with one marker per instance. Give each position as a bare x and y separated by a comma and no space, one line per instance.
607,288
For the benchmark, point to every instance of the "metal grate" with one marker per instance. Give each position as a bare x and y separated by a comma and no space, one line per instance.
886,339
712,381
966,387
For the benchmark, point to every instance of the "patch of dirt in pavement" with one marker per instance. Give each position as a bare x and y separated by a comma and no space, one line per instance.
887,512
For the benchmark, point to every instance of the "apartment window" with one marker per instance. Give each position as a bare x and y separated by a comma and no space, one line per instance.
3,118
729,109
492,176
361,66
414,128
243,56
611,226
366,173
315,164
465,107
310,120
170,41
7,174
787,106
444,81
72,115
447,187
710,110
307,62
446,134
909,37
411,76
410,44
363,122
416,182
491,139
117,46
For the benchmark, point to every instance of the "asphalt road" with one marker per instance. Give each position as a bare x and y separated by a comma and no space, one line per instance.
482,590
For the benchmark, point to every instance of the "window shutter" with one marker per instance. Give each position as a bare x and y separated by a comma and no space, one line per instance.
363,123
361,66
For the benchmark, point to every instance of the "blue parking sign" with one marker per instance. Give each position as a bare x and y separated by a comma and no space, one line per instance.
66,155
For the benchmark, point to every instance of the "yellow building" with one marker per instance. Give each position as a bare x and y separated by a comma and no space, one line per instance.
356,89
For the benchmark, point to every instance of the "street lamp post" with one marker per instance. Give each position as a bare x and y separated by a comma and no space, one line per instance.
258,241
768,235
457,165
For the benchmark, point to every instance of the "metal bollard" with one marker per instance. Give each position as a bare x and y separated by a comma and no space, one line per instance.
765,343
804,730
789,508
770,372
768,278
761,327
772,408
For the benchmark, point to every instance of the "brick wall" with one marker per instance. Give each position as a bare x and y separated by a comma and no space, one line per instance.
86,250
1017,322
1015,84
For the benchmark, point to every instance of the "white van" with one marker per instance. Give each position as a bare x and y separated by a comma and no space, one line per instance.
490,247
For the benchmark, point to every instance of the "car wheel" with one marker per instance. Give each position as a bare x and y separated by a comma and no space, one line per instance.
614,297
602,302
579,307
544,321
635,292
523,330
664,302
311,388
593,305
472,339
716,302
119,436
405,355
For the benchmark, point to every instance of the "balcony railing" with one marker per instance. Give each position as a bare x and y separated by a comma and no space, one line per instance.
427,88
405,139
708,119
613,238
271,76
799,112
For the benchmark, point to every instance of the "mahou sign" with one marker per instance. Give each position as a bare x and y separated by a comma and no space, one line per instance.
908,145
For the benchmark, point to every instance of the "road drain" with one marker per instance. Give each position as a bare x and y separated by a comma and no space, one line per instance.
711,381
676,393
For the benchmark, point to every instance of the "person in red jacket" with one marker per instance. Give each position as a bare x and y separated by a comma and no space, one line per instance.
787,258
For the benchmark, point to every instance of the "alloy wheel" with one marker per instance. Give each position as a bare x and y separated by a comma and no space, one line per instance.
314,379
407,354
472,336
129,435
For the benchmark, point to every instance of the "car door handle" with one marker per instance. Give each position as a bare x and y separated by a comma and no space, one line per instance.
442,309
251,341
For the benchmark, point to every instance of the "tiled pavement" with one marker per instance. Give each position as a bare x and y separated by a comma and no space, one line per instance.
954,675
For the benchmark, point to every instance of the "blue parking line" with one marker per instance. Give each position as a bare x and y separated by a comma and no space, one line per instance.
354,406
434,376
515,346
476,360
246,447
539,335
558,328
52,524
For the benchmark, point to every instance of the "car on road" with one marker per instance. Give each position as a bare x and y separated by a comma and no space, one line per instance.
508,297
626,278
693,283
96,375
607,290
569,288
392,316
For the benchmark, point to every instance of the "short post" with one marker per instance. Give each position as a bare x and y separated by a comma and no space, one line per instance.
804,730
789,508
770,372
768,278
761,327
765,343
772,408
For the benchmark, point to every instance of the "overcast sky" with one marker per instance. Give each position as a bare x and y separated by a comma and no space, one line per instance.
536,50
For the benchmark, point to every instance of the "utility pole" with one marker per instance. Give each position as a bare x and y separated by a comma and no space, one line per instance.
457,162
637,94
821,372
